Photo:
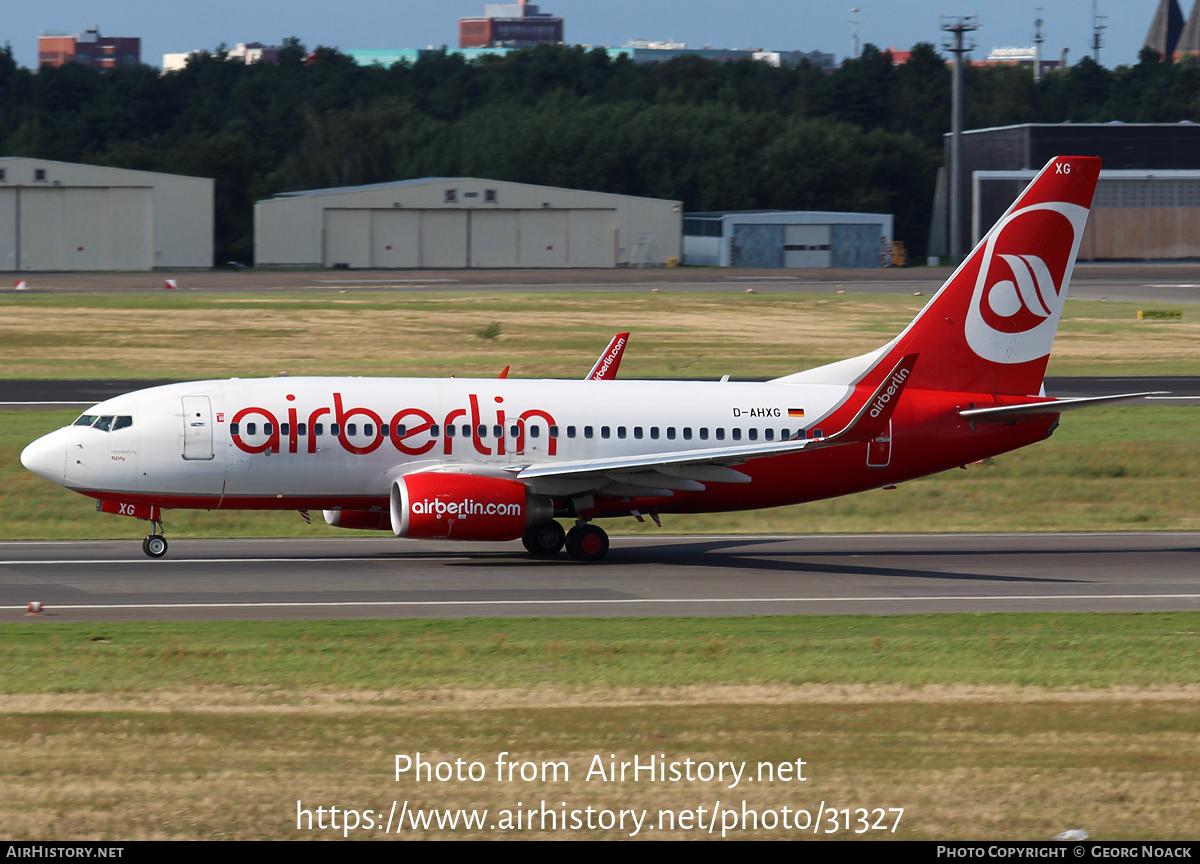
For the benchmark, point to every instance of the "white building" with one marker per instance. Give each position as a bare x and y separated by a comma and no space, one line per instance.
63,216
457,222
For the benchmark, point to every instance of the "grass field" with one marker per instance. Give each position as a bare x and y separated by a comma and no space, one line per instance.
978,726
541,335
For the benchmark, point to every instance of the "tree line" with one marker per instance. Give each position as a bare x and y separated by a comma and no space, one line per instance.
718,136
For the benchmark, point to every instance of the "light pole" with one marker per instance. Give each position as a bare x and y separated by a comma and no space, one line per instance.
957,26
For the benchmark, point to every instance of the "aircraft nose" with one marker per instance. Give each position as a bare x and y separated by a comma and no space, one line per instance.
46,457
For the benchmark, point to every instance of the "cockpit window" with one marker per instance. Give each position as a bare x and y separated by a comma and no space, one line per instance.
107,423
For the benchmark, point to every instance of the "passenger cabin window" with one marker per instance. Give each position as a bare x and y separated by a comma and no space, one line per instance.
587,431
351,428
654,432
687,433
671,432
736,434
535,431
318,428
605,432
570,432
637,432
721,434
251,428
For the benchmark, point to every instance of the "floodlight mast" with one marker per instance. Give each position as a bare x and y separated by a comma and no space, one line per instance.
1097,33
958,26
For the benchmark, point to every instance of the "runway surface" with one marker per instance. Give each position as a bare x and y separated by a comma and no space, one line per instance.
1176,282
382,577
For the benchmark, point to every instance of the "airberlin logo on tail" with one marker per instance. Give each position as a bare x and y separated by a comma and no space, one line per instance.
1019,293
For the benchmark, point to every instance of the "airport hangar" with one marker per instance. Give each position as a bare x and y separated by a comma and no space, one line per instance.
64,216
1147,204
456,222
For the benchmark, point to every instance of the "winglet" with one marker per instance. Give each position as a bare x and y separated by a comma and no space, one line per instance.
610,359
872,419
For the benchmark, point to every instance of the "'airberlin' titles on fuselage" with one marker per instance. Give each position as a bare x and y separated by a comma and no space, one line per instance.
409,430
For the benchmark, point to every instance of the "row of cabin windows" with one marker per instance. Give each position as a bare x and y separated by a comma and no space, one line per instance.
497,431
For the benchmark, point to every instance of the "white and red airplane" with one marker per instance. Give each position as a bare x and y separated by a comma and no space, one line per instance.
500,459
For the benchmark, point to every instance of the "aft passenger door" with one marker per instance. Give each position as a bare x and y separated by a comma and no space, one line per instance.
879,450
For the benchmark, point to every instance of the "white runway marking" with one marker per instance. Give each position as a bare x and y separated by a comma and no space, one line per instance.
622,602
162,561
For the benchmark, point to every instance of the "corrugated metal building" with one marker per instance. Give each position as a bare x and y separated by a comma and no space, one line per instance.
1147,185
453,222
785,238
63,216
1135,214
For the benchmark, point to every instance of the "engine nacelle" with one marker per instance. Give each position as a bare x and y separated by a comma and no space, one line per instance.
362,520
436,506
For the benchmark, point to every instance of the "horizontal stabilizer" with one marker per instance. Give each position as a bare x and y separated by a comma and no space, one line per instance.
1004,413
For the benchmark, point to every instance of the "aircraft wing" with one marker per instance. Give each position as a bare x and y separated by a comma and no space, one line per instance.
658,473
1004,413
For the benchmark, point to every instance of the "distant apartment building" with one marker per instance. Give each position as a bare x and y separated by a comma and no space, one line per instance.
510,25
89,48
246,52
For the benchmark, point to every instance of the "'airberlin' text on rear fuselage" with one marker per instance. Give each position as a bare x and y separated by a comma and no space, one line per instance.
410,430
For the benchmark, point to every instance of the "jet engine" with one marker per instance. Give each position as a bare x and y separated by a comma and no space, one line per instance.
444,506
363,520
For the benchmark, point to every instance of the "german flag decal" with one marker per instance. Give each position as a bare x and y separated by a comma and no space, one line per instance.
795,412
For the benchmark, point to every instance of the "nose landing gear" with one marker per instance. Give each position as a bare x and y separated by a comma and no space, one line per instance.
155,544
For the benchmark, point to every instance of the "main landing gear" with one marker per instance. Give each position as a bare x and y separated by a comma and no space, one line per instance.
587,542
544,541
155,544
584,542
